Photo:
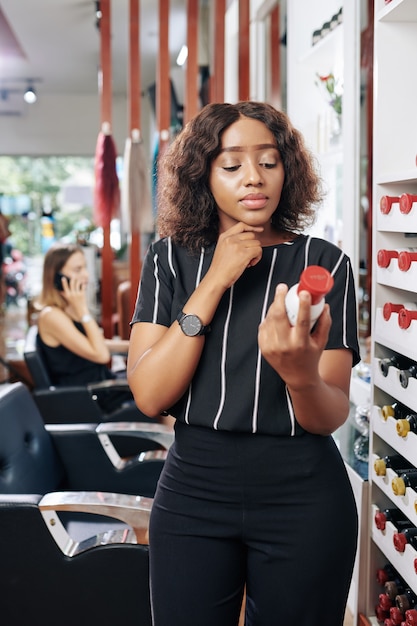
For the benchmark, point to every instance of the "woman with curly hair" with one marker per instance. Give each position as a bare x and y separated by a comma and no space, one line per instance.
250,490
73,346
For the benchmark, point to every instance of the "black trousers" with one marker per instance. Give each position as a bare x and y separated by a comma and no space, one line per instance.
274,514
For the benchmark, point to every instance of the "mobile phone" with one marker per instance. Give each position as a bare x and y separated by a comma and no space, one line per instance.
58,281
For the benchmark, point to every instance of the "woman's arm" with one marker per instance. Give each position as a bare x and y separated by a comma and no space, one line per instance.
161,360
322,407
160,365
57,328
317,380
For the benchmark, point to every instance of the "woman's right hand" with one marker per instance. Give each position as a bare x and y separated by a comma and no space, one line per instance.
237,249
153,375
74,292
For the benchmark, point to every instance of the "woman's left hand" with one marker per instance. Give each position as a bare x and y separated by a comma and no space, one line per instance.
293,351
317,380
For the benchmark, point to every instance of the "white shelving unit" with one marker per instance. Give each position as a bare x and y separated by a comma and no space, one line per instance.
395,173
338,155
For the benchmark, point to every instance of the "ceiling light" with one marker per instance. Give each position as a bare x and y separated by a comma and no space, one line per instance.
99,15
30,95
182,56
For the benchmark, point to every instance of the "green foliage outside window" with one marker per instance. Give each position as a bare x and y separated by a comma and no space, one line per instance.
39,182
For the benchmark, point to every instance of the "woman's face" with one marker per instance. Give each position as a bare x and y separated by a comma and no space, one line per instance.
247,177
76,267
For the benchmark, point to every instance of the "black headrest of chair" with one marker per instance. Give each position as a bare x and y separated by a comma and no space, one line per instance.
34,360
28,460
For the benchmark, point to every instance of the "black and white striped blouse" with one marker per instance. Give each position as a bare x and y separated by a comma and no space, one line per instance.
234,388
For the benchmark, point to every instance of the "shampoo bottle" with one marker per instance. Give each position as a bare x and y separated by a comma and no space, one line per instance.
317,281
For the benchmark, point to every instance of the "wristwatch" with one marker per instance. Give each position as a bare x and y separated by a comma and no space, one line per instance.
191,325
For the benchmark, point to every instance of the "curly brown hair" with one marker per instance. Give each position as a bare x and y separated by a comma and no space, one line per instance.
187,210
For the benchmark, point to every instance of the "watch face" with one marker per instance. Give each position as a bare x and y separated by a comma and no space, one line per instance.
191,325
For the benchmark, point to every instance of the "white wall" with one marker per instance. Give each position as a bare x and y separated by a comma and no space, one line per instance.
307,107
68,126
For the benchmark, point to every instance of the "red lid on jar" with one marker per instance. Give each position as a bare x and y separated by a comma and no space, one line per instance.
399,541
404,261
396,615
384,257
380,614
380,520
406,203
382,575
389,308
317,281
385,203
385,602
411,617
404,318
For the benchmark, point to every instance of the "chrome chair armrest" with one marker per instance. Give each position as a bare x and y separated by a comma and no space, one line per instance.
112,456
132,510
160,433
110,384
84,427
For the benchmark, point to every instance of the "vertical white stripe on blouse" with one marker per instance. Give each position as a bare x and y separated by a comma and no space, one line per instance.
157,288
259,358
223,360
345,300
170,263
197,282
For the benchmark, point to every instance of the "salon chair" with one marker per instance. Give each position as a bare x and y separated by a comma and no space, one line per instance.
73,524
76,403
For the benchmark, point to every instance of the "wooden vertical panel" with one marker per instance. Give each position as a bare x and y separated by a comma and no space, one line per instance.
244,50
275,56
163,86
217,79
367,61
106,117
134,86
191,87
134,123
105,62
